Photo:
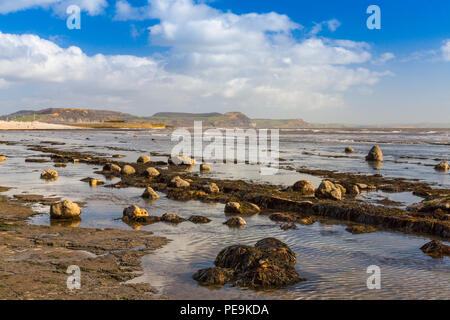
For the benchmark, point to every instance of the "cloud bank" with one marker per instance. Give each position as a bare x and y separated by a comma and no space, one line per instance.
215,61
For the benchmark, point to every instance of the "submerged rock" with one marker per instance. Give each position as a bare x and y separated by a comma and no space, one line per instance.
304,187
143,159
235,222
49,175
172,218
328,190
151,173
443,166
288,226
269,264
375,154
283,217
199,220
128,170
149,193
65,210
436,249
356,229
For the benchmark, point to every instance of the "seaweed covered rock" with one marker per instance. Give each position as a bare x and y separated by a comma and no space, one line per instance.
269,264
149,193
65,210
282,217
304,187
443,166
211,188
245,208
328,190
134,212
356,229
199,220
375,154
233,208
436,249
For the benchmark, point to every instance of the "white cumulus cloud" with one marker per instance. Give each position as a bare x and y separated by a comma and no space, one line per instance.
93,7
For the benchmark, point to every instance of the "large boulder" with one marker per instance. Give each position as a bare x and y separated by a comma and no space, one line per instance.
304,187
128,170
143,159
151,173
177,182
149,193
65,210
269,264
180,160
375,154
328,190
49,175
443,166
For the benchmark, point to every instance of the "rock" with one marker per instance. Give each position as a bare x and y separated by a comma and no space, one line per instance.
172,218
283,217
304,187
288,226
205,168
443,166
233,208
199,220
213,276
362,186
49,175
355,229
128,170
95,182
181,161
375,154
211,188
328,190
235,222
60,165
151,173
436,249
149,193
143,159
267,265
431,205
177,182
349,150
2,158
65,210
343,190
134,212
353,190
111,167
117,156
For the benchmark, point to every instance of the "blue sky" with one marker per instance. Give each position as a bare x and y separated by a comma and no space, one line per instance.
315,60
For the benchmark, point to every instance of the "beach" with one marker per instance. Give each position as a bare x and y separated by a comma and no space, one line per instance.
34,125
334,240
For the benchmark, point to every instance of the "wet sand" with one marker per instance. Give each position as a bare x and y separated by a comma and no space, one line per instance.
35,125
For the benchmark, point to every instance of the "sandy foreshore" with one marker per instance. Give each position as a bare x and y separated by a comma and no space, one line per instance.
35,125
